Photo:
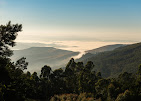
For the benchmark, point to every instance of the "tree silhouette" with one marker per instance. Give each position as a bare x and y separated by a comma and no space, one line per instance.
45,72
8,35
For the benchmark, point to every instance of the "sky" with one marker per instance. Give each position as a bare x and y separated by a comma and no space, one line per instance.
79,20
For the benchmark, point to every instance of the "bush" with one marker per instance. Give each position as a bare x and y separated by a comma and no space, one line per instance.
74,97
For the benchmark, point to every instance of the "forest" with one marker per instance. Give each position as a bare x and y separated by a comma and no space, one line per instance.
112,63
78,82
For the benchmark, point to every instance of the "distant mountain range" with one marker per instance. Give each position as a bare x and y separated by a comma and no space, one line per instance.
21,46
40,56
110,60
112,63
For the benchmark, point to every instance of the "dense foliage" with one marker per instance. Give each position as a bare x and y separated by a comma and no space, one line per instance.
77,82
112,63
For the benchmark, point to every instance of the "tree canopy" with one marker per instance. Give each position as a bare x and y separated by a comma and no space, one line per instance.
77,82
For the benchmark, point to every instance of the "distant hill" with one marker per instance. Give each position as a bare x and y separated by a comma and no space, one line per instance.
21,45
105,48
93,52
85,56
40,56
122,59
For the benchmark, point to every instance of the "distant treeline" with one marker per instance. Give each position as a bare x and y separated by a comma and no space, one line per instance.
78,82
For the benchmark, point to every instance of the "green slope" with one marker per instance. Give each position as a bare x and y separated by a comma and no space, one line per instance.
122,59
105,48
93,52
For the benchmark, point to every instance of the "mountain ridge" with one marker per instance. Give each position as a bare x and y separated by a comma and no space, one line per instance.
105,48
40,56
122,59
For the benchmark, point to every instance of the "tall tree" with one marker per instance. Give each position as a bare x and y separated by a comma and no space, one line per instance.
45,72
8,35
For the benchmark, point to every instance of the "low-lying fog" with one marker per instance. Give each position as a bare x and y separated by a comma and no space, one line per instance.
76,46
54,61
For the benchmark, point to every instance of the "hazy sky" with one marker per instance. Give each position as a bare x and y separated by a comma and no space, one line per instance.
111,20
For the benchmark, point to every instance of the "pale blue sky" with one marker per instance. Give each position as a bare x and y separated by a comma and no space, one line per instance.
114,20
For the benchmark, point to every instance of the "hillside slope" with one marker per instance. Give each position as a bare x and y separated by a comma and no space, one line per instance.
40,56
93,52
105,48
123,59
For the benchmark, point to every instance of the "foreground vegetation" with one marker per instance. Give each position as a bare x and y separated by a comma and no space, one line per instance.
76,83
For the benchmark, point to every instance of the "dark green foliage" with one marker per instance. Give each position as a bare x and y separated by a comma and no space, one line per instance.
112,63
77,78
8,34
126,96
45,72
21,63
74,97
